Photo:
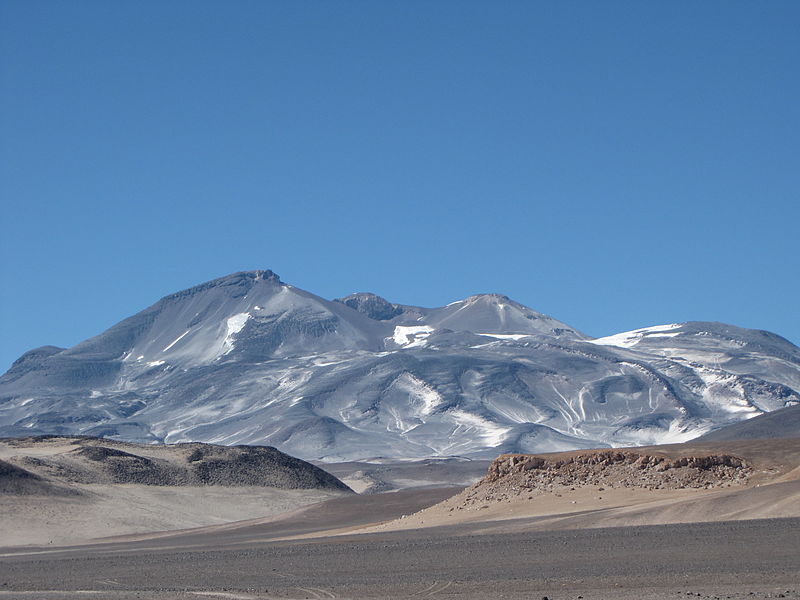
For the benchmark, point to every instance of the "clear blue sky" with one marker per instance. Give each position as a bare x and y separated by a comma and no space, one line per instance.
613,164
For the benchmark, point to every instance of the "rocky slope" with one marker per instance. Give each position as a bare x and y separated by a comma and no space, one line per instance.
69,490
53,462
248,359
519,478
782,423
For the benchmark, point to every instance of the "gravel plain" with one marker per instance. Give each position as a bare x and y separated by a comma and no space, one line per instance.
581,547
736,559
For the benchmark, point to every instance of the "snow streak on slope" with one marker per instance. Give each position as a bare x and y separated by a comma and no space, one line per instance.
249,359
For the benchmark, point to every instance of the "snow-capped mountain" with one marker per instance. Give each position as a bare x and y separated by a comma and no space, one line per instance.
250,359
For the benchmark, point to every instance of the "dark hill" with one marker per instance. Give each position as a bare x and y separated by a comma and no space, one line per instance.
783,423
87,460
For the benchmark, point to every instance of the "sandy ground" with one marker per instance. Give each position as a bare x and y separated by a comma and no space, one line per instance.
131,510
773,491
386,475
593,507
445,590
100,510
588,543
745,559
124,509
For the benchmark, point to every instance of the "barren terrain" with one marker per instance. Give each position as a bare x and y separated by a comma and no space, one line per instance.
378,476
707,520
58,490
738,560
682,483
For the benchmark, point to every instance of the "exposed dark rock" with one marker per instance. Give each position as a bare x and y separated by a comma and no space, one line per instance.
372,306
95,460
256,465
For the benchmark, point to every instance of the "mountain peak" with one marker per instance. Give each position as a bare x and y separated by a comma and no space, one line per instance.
256,275
496,298
497,313
240,279
371,305
248,359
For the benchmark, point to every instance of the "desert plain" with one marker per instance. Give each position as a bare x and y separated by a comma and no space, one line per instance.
704,519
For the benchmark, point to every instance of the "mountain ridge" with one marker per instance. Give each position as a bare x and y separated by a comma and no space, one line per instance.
247,358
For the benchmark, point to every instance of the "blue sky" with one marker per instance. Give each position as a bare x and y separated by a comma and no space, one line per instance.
613,164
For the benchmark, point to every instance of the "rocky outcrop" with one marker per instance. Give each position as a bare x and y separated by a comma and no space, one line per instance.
255,465
617,468
372,306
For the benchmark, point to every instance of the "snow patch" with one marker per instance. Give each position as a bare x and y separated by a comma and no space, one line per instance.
676,434
662,335
490,432
234,325
723,391
411,336
506,336
321,362
419,392
631,338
